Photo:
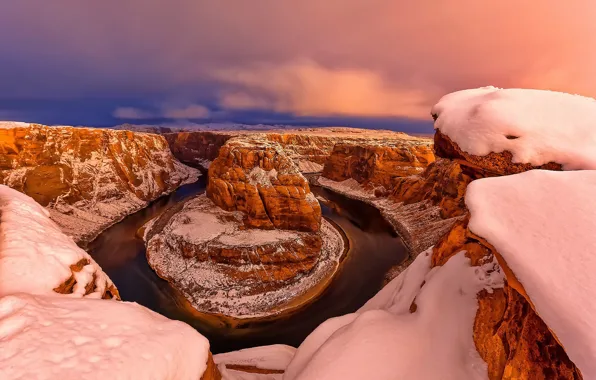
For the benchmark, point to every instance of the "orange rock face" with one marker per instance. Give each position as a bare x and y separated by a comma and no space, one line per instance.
197,148
443,183
256,177
378,163
509,335
88,178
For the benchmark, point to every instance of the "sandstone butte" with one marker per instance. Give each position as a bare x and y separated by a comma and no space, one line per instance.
256,177
88,178
509,335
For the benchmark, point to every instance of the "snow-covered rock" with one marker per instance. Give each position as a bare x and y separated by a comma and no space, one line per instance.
37,258
388,339
542,224
88,178
530,128
54,337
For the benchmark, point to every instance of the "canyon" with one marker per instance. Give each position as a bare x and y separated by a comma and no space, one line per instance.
474,292
88,178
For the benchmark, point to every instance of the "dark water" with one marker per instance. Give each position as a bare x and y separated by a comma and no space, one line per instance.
374,249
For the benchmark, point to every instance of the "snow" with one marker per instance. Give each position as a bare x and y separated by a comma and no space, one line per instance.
13,124
35,256
276,357
536,126
542,223
383,340
55,337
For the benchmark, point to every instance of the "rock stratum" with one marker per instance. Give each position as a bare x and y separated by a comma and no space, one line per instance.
256,177
309,148
88,178
255,245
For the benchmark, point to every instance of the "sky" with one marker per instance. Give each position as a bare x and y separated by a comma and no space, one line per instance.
364,63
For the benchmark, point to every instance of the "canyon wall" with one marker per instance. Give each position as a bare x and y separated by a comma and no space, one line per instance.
309,148
378,164
88,178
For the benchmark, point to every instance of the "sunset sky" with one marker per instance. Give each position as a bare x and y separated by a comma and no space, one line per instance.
366,63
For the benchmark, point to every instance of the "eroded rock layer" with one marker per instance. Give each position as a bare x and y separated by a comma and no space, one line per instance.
378,164
256,177
222,267
88,178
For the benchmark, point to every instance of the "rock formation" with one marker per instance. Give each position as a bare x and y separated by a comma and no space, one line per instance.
88,178
256,177
256,244
309,148
378,164
509,335
197,148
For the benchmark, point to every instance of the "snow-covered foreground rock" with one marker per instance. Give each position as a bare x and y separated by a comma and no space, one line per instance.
223,268
54,323
542,224
37,258
530,128
53,337
88,178
419,327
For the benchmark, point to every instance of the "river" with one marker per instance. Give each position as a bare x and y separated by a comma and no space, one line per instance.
374,248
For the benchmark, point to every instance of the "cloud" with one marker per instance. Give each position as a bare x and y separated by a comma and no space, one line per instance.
345,57
305,88
131,113
193,111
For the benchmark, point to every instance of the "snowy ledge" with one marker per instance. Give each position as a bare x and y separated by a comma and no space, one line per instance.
248,285
542,223
37,258
56,337
419,225
537,127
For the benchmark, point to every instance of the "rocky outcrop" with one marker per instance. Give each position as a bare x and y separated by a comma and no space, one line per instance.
197,148
255,245
222,267
378,164
508,333
256,177
88,178
492,164
309,148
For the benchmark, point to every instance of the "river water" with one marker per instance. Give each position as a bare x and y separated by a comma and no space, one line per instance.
374,248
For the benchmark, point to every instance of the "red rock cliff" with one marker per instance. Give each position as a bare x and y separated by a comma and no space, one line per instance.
88,178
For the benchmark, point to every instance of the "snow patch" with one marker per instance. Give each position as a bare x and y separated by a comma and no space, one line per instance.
54,337
536,126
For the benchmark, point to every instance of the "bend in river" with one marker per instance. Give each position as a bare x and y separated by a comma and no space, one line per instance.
374,249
